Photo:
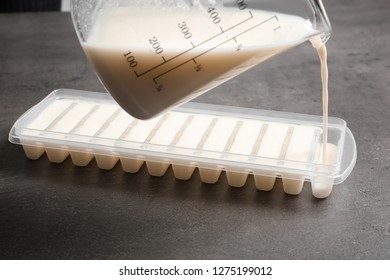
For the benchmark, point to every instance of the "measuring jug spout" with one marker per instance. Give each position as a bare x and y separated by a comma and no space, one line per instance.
154,55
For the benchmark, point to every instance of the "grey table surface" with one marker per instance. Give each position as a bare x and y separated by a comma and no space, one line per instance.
59,211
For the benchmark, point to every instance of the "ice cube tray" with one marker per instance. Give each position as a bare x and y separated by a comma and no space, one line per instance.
212,138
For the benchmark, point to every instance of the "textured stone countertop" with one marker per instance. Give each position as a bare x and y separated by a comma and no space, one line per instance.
56,211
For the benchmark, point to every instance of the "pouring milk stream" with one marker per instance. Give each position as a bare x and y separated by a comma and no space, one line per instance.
154,55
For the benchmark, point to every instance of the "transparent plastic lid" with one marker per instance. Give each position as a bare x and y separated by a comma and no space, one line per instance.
212,138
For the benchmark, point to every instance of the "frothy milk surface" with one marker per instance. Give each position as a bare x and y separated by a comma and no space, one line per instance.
152,59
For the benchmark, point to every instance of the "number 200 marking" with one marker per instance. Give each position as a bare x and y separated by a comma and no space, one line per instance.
156,45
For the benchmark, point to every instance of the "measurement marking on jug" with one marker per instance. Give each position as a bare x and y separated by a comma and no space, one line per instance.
239,47
131,59
195,46
277,19
230,34
209,50
156,45
185,30
198,67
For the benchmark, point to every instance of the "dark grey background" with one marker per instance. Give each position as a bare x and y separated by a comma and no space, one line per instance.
57,211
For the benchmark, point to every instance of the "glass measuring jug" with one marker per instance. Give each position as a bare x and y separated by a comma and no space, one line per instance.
152,55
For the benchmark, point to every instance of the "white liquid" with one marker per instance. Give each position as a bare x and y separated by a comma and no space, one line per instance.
325,97
150,60
322,53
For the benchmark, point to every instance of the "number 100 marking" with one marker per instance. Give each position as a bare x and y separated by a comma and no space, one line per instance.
130,59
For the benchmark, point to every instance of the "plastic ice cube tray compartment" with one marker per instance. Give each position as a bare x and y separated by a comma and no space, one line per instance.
212,138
